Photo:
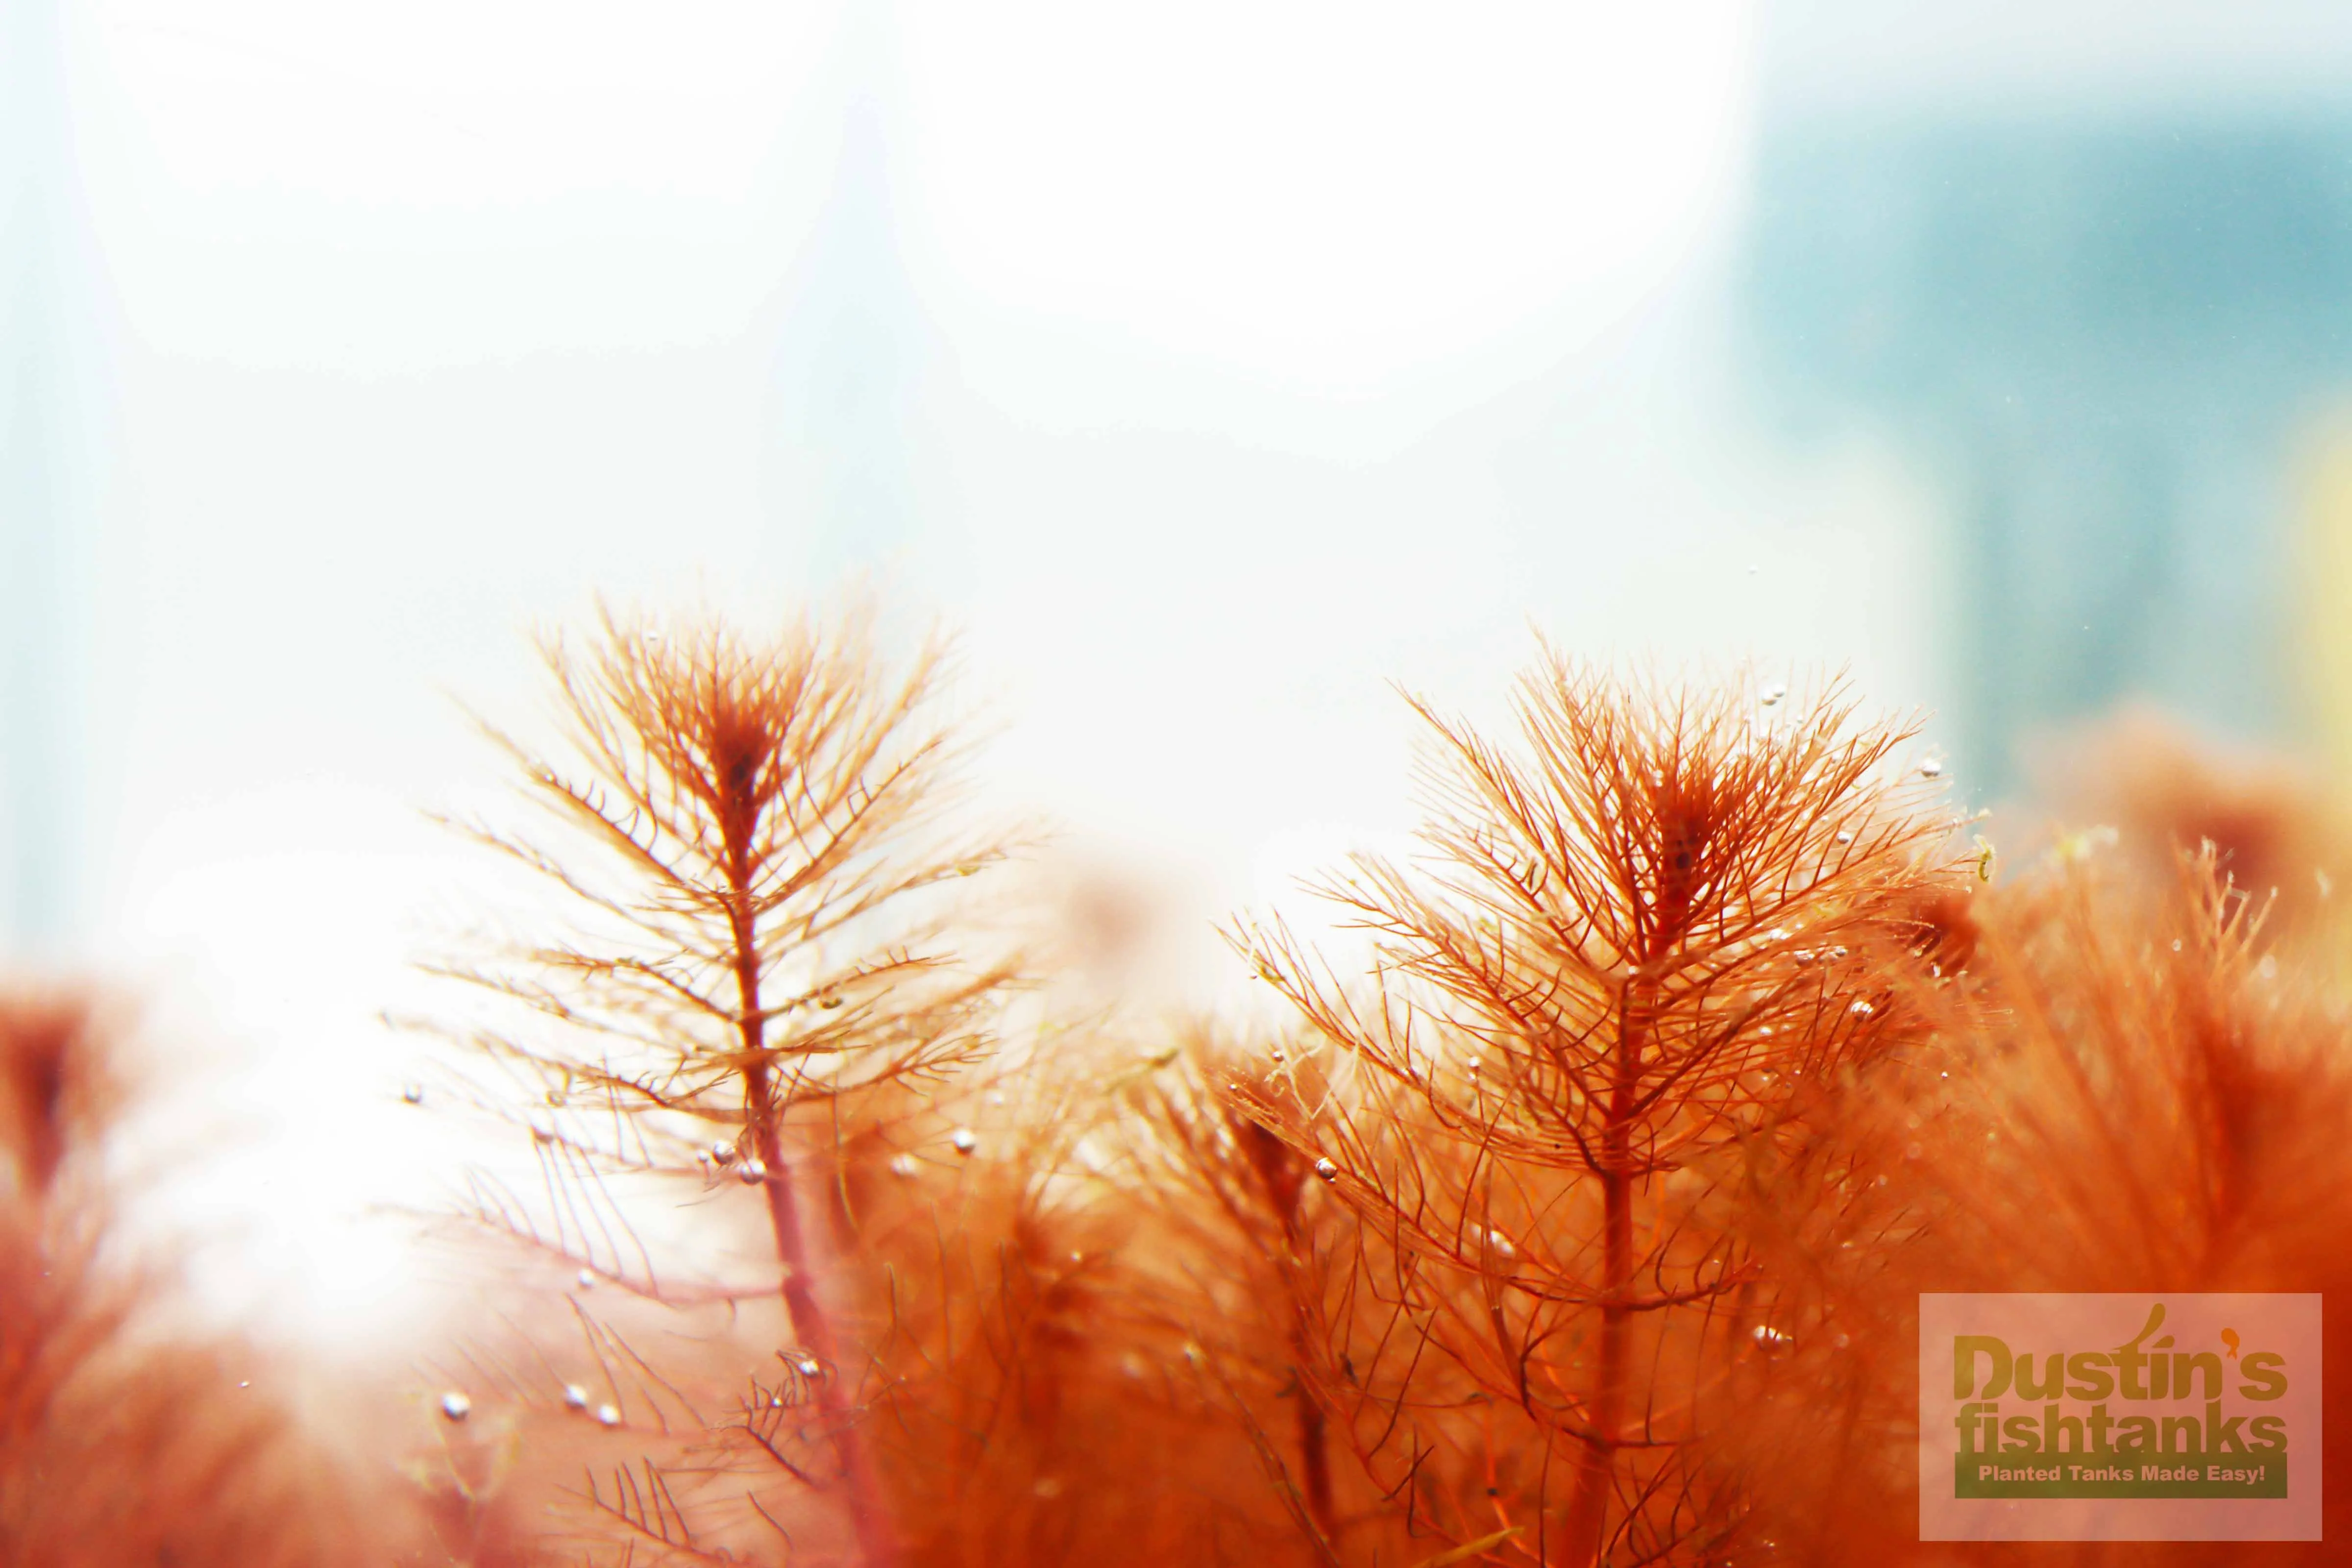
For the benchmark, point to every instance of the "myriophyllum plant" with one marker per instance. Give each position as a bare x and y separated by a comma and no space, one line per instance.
749,834
1630,954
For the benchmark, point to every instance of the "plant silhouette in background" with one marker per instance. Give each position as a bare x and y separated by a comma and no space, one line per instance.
125,1438
1628,956
2133,1094
752,843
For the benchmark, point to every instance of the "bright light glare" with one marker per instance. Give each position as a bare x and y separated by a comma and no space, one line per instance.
1324,193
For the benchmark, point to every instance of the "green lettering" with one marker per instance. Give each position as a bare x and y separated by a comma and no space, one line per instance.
2222,1436
2088,1369
2053,1377
1966,1348
2264,1374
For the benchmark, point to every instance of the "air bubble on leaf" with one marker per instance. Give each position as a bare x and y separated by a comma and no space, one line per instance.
608,1416
905,1165
964,1140
575,1396
1769,1337
722,1152
1930,768
2176,944
1773,694
455,1406
753,1173
587,1280
1327,1170
1862,1009
1472,1064
805,1365
1846,836
413,1092
828,1003
1501,1245
1278,1057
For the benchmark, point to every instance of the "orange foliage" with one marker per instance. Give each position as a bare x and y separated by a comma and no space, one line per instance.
1582,1222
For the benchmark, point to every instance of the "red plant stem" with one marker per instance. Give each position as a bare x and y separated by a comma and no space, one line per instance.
1314,1458
1314,1454
810,1324
1596,1468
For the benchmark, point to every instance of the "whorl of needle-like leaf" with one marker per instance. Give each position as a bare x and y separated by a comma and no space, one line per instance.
758,818
1664,894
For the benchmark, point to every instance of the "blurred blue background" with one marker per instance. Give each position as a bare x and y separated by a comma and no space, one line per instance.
2090,266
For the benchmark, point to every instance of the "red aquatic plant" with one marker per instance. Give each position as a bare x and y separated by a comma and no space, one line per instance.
751,840
1629,949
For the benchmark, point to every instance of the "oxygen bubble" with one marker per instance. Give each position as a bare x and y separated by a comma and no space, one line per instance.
964,1140
905,1165
753,1173
608,1416
1863,1009
1773,694
807,1365
1327,1170
587,1280
722,1152
575,1396
413,1092
1846,836
1770,1337
455,1406
1930,768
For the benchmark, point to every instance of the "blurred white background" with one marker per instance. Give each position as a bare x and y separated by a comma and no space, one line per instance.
1211,364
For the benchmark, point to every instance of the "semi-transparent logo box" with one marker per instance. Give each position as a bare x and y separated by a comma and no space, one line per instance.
2119,1418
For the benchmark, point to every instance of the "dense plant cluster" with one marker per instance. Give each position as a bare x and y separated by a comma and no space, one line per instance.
1569,1206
